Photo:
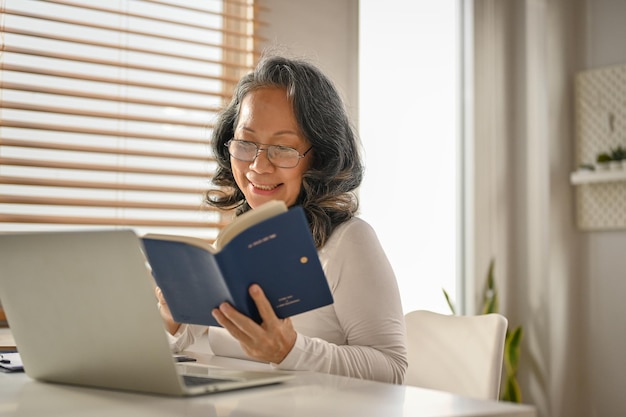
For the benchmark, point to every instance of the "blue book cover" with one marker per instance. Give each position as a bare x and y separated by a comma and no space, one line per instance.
278,253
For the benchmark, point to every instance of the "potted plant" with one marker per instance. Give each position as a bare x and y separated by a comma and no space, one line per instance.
603,160
618,157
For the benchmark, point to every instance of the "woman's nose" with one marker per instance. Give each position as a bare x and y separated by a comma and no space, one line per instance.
261,162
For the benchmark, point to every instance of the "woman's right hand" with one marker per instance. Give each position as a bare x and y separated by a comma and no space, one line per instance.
166,315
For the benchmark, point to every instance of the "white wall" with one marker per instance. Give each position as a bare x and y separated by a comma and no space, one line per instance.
324,31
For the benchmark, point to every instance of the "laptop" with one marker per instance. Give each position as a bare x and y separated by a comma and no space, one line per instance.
82,310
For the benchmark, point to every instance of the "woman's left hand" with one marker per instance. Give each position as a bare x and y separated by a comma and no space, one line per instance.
269,341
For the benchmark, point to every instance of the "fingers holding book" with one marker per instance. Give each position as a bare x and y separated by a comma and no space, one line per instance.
269,341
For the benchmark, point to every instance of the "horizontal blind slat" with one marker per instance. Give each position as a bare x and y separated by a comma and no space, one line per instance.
94,131
110,80
104,97
58,164
101,149
111,63
59,201
45,182
103,221
100,114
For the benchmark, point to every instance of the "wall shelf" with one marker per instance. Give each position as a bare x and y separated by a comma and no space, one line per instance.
600,128
591,177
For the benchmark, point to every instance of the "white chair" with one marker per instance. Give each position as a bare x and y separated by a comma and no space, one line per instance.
458,354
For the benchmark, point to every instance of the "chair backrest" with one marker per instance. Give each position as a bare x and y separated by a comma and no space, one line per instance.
458,354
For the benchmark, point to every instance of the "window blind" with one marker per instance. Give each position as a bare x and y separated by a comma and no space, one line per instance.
106,110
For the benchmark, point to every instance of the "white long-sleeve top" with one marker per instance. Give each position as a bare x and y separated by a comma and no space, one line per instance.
361,334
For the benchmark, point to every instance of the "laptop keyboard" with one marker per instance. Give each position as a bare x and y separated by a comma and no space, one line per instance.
192,381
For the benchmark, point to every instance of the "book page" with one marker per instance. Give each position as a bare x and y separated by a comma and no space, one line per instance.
192,240
236,226
249,218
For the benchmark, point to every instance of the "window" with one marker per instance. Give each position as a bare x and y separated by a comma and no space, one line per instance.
106,110
410,124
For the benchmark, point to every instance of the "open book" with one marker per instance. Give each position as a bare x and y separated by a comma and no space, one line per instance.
270,246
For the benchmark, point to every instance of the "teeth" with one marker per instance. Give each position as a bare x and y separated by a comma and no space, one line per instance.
264,187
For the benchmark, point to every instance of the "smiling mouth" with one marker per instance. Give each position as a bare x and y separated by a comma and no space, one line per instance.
264,187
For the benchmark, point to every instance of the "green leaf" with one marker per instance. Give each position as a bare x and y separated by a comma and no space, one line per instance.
512,350
452,309
511,391
490,293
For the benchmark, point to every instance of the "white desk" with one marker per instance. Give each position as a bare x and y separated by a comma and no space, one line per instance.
309,394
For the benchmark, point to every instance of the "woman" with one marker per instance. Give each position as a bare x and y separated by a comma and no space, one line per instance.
286,135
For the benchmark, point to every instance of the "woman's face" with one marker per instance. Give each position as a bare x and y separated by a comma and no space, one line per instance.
266,117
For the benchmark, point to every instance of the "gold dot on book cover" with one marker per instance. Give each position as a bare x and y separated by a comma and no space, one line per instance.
304,260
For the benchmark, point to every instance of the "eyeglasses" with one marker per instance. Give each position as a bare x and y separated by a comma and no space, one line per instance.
280,156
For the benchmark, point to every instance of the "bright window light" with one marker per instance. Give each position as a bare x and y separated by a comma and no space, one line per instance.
409,96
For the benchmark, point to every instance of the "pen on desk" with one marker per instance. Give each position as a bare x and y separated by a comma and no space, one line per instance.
3,359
